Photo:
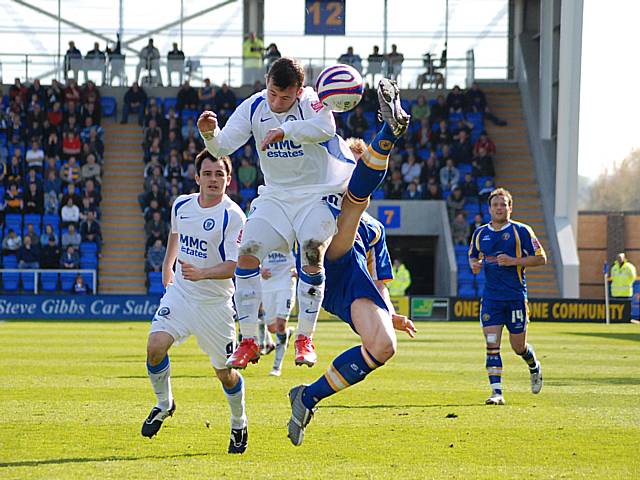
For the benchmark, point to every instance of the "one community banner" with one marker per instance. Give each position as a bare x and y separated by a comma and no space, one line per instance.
553,310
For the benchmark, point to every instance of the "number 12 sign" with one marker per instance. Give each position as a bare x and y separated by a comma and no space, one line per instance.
324,17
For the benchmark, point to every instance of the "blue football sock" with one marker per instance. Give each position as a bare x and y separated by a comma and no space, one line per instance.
372,167
494,369
349,368
529,356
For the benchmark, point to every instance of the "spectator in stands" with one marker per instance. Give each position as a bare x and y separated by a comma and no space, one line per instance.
486,190
96,55
469,186
271,55
188,130
15,171
71,238
55,116
423,136
449,175
70,214
456,100
175,56
79,287
50,252
72,61
461,148
150,61
374,61
225,102
484,142
442,135
187,97
252,62
34,199
394,62
13,199
430,169
173,170
394,186
157,227
482,164
35,155
420,109
51,203
413,192
53,183
357,122
70,259
70,171
433,192
32,234
411,169
92,194
48,233
52,145
623,275
476,101
460,230
189,184
155,257
134,101
91,170
71,144
90,230
36,88
11,243
28,255
247,175
455,202
154,206
18,92
85,134
478,221
350,58
95,146
206,95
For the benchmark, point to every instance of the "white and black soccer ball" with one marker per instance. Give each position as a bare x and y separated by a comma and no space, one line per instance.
340,87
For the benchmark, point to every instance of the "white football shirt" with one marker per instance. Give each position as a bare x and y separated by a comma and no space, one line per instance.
281,266
310,159
206,238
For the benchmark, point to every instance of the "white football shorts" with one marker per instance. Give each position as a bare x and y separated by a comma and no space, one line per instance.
212,324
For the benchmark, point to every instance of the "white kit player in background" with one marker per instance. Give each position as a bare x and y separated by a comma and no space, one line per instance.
302,160
278,297
205,234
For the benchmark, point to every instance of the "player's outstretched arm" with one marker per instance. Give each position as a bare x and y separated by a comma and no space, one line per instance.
234,135
169,259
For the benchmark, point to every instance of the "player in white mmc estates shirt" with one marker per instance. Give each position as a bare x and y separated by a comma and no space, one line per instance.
303,160
278,297
205,232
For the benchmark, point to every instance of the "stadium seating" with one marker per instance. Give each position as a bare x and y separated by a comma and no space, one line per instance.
155,283
49,281
109,106
10,281
67,280
28,280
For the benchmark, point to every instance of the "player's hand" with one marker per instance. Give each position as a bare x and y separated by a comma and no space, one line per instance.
266,273
476,265
191,272
274,135
207,122
505,260
404,324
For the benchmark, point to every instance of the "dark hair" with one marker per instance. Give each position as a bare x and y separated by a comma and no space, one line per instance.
204,154
501,192
286,72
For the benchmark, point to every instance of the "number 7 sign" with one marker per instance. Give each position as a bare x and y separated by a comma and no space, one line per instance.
389,215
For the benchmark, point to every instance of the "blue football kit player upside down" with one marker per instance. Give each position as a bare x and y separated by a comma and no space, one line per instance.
505,248
356,264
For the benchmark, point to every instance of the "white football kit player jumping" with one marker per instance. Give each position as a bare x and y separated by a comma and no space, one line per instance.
205,232
303,160
278,297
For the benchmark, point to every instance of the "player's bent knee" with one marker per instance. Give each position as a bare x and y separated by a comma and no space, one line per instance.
383,347
157,348
228,377
312,254
247,260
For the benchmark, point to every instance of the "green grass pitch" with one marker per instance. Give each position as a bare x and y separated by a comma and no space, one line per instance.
73,396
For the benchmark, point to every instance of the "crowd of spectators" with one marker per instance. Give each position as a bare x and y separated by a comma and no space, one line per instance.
51,151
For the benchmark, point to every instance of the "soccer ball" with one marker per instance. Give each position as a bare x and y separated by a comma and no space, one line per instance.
340,87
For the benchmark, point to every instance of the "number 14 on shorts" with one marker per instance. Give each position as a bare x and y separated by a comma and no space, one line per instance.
517,316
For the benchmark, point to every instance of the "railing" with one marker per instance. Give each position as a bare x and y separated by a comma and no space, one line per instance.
221,69
37,271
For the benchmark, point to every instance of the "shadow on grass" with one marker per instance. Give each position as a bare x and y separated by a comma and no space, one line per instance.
336,407
630,337
563,382
62,461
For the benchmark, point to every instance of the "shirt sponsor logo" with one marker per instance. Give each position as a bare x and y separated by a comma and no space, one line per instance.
317,106
285,149
193,246
486,237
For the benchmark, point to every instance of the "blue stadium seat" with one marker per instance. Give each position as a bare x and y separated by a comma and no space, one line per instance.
67,279
49,281
454,118
477,118
186,114
87,278
406,104
89,262
431,102
247,195
378,194
10,261
13,221
168,103
109,106
53,220
460,249
88,248
10,281
155,283
28,280
464,168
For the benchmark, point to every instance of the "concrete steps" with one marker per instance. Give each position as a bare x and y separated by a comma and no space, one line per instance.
122,263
